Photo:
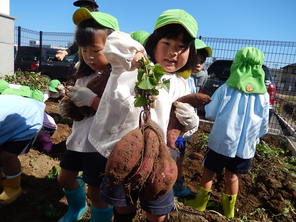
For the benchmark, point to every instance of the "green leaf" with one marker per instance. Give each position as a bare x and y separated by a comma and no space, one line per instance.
140,101
145,83
166,85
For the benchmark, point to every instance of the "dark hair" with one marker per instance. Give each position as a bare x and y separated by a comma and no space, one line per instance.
172,31
84,36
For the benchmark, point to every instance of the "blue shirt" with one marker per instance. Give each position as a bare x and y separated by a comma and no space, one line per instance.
240,120
20,118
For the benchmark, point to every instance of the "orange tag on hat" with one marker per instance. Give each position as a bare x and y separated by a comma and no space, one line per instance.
249,88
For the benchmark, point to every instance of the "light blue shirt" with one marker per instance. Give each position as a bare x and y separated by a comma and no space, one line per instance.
240,120
20,118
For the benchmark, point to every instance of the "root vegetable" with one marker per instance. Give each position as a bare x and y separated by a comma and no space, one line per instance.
163,177
151,152
125,156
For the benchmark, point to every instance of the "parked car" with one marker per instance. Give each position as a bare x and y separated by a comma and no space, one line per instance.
219,72
27,59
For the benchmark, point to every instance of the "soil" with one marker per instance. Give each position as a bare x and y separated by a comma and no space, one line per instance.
267,193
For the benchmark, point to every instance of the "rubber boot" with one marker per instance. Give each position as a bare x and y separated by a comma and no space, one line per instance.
77,205
201,199
102,215
228,203
180,190
45,141
11,189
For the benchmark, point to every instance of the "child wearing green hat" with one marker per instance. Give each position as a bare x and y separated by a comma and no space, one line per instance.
240,110
21,120
92,30
172,46
196,81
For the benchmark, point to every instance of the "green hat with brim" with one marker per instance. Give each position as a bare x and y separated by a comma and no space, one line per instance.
178,16
22,91
140,36
246,72
37,94
102,18
199,44
3,85
53,84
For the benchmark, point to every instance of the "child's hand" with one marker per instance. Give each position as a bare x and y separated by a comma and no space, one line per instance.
187,116
81,96
136,58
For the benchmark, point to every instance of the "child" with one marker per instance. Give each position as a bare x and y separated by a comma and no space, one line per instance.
92,31
172,46
21,119
196,81
199,74
56,90
240,111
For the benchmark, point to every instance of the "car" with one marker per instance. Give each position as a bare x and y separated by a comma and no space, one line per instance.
219,72
27,59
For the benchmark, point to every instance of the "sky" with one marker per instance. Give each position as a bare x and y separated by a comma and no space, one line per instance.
235,19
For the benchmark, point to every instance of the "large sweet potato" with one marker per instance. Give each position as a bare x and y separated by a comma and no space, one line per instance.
195,99
151,152
163,177
125,156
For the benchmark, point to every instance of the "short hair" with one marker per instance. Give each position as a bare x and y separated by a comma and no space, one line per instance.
172,31
84,36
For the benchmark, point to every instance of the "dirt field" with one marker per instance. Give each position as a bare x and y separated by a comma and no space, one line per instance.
268,193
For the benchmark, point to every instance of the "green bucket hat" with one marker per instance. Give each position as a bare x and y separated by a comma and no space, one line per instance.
37,94
22,91
3,85
103,19
199,44
53,84
140,36
178,16
246,72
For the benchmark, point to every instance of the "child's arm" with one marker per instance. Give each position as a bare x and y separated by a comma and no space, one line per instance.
122,52
265,120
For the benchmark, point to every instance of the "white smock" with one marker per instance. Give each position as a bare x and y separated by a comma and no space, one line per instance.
78,141
116,114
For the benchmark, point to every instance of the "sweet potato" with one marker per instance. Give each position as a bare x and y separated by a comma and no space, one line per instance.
174,129
68,109
163,177
151,151
195,99
125,156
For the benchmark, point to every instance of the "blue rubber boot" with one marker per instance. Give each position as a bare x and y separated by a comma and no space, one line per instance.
77,205
102,215
180,190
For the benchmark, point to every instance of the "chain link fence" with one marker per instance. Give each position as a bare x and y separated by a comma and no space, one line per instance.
280,57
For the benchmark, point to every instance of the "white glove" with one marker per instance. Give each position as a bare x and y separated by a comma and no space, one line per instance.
187,116
81,96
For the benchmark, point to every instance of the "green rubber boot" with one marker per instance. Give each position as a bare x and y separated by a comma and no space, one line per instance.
228,203
201,199
77,205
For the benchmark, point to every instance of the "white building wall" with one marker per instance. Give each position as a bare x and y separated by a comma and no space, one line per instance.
6,39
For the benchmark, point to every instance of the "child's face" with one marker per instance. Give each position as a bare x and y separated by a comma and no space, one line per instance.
93,54
171,54
200,60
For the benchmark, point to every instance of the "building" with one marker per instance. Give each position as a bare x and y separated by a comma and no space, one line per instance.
6,39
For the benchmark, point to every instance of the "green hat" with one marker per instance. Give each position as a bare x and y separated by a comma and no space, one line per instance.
22,91
53,84
37,94
103,19
178,16
140,36
246,72
199,44
3,85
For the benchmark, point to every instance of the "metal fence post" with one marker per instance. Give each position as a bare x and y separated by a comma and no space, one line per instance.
18,37
40,48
